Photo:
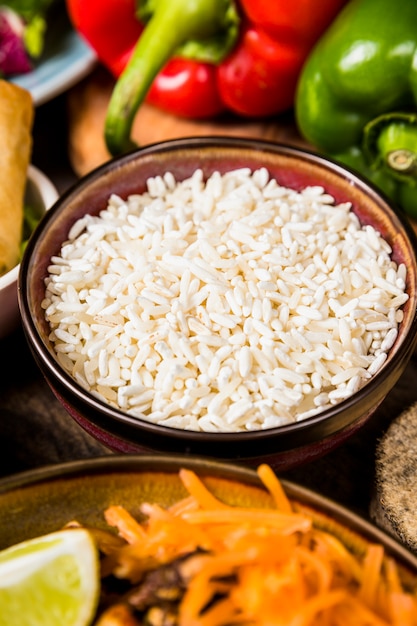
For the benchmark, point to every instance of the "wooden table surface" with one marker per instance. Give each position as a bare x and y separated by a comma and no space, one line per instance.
35,429
87,105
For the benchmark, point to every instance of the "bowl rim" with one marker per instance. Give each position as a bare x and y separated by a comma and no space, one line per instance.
49,195
289,433
204,466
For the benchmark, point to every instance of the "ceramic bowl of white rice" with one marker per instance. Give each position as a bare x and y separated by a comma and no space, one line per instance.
224,297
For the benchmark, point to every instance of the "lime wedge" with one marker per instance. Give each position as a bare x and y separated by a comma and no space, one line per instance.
51,580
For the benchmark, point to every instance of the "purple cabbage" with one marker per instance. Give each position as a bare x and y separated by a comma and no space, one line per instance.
14,58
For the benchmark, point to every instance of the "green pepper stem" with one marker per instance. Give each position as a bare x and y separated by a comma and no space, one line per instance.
402,160
173,23
391,141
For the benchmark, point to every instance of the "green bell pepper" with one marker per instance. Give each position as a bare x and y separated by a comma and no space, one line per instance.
356,97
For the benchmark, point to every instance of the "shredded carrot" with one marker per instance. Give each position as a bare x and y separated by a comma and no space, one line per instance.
287,523
393,578
186,504
403,609
333,550
371,574
274,486
352,612
314,566
200,492
127,526
260,566
318,604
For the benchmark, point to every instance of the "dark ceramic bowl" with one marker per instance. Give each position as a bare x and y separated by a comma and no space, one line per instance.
282,447
43,500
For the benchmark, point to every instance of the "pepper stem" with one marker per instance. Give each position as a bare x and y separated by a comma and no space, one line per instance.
172,24
402,161
391,143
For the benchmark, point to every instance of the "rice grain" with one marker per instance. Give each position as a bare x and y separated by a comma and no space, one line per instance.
229,304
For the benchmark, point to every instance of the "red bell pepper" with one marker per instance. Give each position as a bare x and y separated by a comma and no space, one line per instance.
187,88
197,58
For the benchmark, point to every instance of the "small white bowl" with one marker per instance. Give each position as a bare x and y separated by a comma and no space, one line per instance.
41,193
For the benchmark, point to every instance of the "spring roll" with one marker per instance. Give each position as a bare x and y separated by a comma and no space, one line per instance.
16,121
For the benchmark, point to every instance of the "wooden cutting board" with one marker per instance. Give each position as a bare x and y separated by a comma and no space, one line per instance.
87,106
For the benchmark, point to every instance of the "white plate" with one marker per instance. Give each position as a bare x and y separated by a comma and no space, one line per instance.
65,61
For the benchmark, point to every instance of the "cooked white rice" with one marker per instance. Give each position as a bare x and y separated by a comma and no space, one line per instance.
232,304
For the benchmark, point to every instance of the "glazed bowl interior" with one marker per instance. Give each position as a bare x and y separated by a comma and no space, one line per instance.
283,446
